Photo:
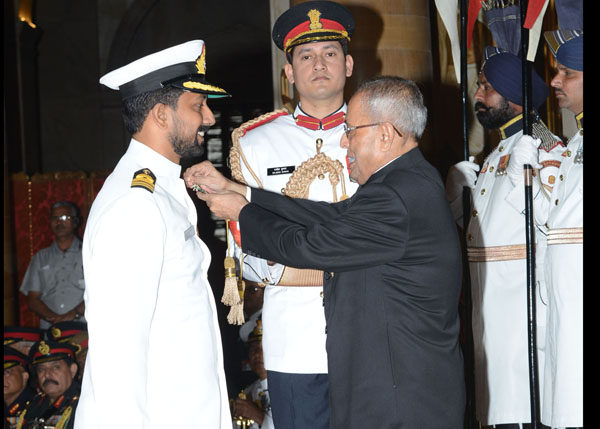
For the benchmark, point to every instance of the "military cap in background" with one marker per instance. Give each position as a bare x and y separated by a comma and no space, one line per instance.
13,357
567,47
46,351
182,66
14,334
312,21
63,331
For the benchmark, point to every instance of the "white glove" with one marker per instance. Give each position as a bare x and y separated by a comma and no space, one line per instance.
525,151
460,175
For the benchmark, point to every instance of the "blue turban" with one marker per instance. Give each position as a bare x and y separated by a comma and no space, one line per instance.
567,47
503,71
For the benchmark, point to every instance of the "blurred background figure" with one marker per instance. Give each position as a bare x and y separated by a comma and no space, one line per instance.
54,282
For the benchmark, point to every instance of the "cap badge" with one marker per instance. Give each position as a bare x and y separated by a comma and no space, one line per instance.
201,62
44,348
56,332
315,19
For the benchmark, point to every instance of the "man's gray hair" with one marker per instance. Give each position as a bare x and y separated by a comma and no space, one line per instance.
395,100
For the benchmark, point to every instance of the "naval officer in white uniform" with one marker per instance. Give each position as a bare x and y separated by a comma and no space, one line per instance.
146,267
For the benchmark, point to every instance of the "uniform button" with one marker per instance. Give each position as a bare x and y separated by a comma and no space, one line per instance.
562,178
568,153
491,169
321,294
483,192
470,237
556,202
501,148
475,213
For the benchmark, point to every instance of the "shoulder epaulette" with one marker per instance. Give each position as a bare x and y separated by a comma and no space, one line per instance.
261,120
145,179
549,140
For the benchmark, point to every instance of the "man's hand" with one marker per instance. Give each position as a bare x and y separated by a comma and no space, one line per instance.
460,175
525,151
248,409
225,205
205,176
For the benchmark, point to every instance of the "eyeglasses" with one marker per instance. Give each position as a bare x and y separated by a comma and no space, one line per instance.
62,218
348,129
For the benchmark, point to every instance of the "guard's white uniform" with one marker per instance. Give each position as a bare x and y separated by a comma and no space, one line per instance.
293,317
148,306
563,379
496,247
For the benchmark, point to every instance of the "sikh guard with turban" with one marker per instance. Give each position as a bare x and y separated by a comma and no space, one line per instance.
496,237
562,397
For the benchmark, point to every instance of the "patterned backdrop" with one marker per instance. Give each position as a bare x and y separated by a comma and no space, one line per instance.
32,198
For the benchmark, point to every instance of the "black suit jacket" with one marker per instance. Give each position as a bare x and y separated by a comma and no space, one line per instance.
393,275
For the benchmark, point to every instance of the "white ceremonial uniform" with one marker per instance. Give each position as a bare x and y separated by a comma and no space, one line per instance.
293,317
497,259
148,306
258,392
563,378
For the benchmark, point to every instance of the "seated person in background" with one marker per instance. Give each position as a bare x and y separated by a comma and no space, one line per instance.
74,333
53,282
55,368
253,404
21,338
17,392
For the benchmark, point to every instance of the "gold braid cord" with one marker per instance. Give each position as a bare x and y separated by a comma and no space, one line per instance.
236,155
318,166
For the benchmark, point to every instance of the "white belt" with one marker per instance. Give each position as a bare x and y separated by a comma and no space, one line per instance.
565,236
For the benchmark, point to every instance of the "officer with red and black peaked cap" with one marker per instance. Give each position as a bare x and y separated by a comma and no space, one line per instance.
74,333
17,390
279,151
22,337
55,368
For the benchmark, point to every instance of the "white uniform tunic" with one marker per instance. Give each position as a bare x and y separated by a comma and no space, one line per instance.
155,358
563,381
496,246
293,317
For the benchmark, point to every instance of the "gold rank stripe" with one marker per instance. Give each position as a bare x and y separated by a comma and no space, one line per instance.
497,253
565,236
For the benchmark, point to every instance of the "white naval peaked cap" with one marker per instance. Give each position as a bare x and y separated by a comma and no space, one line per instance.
182,66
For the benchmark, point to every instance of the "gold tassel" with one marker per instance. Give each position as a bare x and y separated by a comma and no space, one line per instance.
236,314
230,291
231,295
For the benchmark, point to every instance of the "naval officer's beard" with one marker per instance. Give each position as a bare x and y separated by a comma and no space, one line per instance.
187,146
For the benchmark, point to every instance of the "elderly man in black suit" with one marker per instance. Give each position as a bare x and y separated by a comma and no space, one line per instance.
392,265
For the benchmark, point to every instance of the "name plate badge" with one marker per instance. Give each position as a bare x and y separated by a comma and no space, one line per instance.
280,170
